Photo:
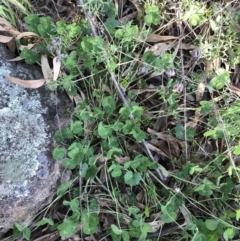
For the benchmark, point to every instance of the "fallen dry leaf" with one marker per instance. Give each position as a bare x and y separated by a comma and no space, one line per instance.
190,98
5,39
121,159
154,148
191,124
31,84
4,22
186,214
168,144
26,34
76,98
90,238
169,148
29,46
15,59
106,88
200,91
74,237
209,69
194,122
46,70
158,48
11,45
142,70
165,137
157,38
156,225
234,89
155,216
140,195
217,64
140,205
56,67
7,27
106,203
104,219
134,148
155,74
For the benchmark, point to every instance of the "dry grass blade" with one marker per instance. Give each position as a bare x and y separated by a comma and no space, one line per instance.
19,6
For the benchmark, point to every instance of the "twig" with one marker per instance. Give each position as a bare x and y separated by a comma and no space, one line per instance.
120,92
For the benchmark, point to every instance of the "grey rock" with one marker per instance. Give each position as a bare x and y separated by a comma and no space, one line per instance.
29,176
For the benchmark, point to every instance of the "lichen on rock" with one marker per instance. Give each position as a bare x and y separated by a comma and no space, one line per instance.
23,133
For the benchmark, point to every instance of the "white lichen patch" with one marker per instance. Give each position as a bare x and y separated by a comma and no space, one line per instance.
23,133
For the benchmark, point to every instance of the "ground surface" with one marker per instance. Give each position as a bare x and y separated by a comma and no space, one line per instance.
154,140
